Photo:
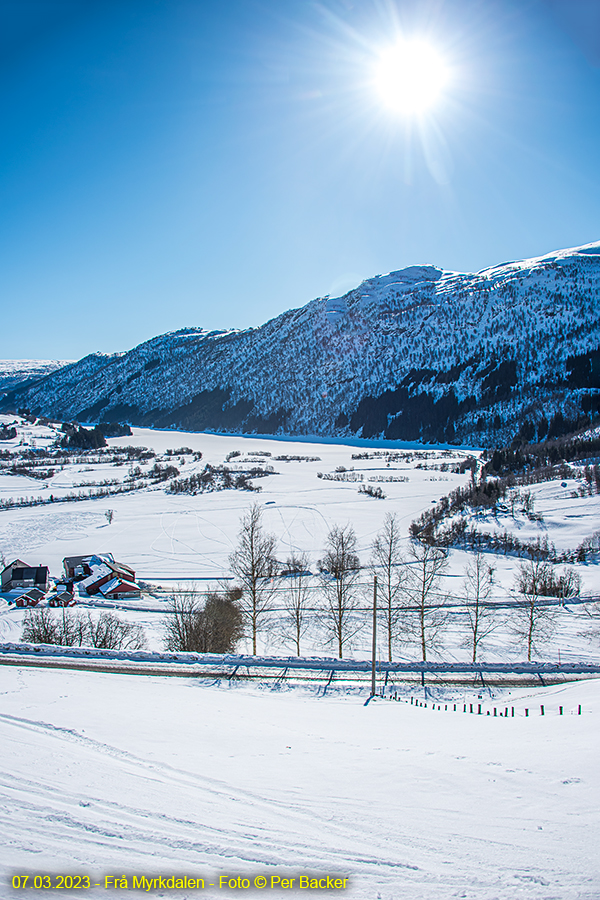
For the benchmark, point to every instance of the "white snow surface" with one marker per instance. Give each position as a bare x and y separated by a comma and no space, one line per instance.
16,371
172,536
174,541
107,774
119,774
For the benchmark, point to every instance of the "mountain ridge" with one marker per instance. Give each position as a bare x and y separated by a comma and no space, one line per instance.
417,353
15,372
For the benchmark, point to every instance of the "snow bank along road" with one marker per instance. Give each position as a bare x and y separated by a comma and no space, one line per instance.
230,665
111,775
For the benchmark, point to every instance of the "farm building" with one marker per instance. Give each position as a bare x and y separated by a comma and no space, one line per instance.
119,588
102,574
31,598
85,569
20,575
79,567
64,598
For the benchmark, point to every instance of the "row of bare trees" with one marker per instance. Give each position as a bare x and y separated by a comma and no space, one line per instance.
412,607
268,596
66,628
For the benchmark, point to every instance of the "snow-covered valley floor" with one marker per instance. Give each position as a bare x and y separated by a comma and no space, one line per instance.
174,540
107,774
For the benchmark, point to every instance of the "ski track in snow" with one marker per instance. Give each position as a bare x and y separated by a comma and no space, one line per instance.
111,774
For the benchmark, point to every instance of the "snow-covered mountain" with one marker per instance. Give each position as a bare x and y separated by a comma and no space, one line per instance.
18,371
417,353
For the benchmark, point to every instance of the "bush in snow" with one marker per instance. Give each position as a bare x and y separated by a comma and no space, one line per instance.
215,627
371,491
67,629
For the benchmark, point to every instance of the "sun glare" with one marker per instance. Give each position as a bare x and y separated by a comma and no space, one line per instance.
410,77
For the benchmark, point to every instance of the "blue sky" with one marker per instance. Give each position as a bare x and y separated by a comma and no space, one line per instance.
167,163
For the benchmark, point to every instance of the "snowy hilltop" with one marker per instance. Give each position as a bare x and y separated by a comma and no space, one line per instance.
15,372
419,353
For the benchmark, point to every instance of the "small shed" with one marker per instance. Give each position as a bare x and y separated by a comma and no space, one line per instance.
31,598
64,598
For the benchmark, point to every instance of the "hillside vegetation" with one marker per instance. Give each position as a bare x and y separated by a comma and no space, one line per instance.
512,351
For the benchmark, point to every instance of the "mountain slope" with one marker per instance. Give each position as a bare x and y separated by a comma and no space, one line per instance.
15,372
418,353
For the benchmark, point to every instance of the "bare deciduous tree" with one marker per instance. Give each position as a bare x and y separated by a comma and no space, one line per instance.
533,619
68,629
46,626
568,584
388,564
296,597
179,622
40,627
112,633
254,564
592,632
340,568
425,568
482,618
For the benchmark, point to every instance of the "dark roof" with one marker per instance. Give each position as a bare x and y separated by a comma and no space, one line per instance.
39,574
34,593
73,561
121,570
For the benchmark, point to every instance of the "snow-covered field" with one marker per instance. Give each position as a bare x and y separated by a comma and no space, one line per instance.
162,535
182,540
107,774
123,775
172,540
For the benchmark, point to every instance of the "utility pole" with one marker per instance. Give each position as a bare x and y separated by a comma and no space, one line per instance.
374,650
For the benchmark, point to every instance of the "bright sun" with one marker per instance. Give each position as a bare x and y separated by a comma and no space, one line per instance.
410,77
